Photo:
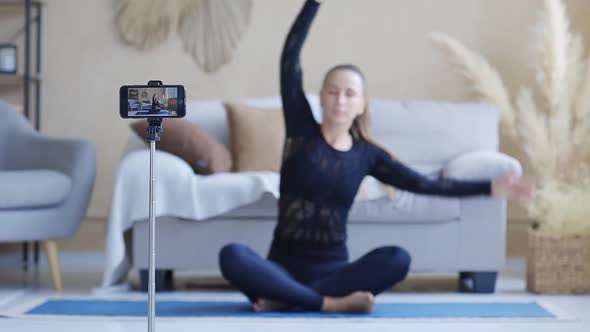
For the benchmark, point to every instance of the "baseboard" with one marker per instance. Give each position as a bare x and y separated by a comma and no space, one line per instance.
9,247
517,238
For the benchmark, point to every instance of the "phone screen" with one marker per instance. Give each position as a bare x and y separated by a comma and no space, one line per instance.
152,101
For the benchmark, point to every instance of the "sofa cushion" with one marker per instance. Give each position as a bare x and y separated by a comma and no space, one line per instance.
479,165
256,137
204,153
405,208
33,189
428,133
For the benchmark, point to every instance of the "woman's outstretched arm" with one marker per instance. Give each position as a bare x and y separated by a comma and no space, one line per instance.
298,115
393,172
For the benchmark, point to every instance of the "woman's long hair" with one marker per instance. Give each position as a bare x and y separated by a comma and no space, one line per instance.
361,125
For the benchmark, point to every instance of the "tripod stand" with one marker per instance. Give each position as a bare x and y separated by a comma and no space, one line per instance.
154,129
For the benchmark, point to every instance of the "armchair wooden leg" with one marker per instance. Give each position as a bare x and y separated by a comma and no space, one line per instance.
52,253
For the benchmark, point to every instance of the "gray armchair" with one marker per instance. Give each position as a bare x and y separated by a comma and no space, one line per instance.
45,185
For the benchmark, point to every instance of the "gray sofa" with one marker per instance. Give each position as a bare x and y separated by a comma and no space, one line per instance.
466,236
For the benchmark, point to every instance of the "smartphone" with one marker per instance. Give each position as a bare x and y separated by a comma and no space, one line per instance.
145,101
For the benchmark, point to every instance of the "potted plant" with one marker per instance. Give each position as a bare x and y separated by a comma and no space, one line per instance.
551,123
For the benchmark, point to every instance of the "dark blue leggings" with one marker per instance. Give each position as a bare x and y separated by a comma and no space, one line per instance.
303,282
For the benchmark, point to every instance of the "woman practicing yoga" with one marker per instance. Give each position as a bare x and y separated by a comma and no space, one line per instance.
323,166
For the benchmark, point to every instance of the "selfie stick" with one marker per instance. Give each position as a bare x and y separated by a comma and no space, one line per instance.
154,129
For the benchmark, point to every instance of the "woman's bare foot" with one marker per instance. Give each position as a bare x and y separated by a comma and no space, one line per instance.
357,302
264,305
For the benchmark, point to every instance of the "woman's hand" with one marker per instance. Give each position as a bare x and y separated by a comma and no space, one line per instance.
514,188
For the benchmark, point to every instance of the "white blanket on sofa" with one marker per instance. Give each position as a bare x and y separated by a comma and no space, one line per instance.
179,192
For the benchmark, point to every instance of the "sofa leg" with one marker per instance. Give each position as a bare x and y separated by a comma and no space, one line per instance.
477,282
164,280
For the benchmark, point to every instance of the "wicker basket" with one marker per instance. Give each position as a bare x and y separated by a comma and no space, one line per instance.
557,265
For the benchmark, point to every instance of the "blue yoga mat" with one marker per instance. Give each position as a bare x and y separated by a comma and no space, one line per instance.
243,309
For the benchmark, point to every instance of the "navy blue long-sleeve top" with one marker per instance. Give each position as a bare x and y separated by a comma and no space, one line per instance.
318,182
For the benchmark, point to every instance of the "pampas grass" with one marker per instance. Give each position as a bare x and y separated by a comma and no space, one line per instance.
552,124
531,131
483,79
565,205
551,42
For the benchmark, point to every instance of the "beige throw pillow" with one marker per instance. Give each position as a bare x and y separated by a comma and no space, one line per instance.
256,137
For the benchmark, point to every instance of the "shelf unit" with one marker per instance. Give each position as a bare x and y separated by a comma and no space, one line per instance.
15,80
30,79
